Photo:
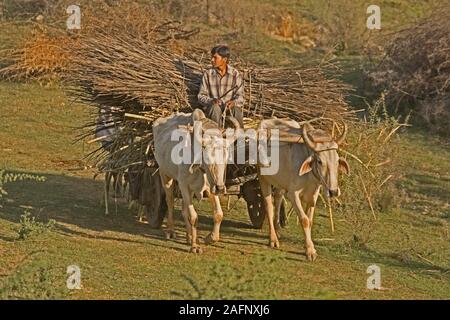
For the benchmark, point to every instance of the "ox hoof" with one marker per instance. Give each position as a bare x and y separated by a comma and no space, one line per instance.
196,250
274,243
311,255
210,239
170,234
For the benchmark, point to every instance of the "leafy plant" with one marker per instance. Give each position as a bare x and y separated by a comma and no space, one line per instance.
226,282
30,226
369,190
33,282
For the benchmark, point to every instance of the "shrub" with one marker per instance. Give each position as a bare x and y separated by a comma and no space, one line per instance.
30,226
369,190
415,72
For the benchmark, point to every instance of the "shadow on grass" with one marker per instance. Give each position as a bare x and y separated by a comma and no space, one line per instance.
427,193
431,186
401,260
77,201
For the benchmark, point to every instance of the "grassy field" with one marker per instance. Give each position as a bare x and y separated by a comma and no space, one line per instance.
121,258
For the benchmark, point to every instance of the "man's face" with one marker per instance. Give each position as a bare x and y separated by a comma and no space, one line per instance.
217,61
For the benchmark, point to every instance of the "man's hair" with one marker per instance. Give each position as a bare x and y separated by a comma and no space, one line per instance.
222,50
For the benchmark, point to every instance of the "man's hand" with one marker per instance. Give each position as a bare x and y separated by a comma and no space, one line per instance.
231,104
216,102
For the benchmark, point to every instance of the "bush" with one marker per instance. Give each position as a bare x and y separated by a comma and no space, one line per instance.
224,281
34,282
30,226
369,189
415,72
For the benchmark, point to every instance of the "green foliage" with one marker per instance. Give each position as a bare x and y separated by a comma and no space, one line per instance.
30,226
396,239
372,155
34,282
224,281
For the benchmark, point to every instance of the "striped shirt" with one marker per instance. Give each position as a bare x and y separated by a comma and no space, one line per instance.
226,88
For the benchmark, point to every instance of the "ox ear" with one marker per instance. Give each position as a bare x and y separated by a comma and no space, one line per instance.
306,166
343,165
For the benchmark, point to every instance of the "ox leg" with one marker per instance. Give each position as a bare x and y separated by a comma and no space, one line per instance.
192,218
266,190
214,236
278,199
168,189
306,224
187,224
310,207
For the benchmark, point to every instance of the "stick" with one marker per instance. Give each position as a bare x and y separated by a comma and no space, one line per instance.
330,212
98,139
385,180
234,205
136,116
367,197
360,161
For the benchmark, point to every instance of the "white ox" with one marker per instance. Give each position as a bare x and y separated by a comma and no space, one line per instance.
303,169
207,175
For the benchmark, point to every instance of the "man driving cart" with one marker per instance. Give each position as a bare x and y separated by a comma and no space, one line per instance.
222,88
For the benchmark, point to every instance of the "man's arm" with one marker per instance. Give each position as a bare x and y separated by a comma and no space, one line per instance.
203,96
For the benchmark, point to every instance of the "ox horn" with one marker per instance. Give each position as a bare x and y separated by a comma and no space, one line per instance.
343,135
233,121
306,138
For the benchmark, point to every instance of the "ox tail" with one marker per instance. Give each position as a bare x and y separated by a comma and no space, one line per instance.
283,216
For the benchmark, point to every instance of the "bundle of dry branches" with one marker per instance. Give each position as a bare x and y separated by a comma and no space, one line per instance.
296,93
416,70
372,150
144,81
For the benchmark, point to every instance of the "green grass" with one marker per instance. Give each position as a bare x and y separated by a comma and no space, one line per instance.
121,258
40,121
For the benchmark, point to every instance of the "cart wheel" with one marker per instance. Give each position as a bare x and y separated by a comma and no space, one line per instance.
252,195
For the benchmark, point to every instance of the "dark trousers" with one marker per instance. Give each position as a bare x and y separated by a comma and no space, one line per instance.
215,113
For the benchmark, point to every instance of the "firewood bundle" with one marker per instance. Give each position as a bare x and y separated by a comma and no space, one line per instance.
137,81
